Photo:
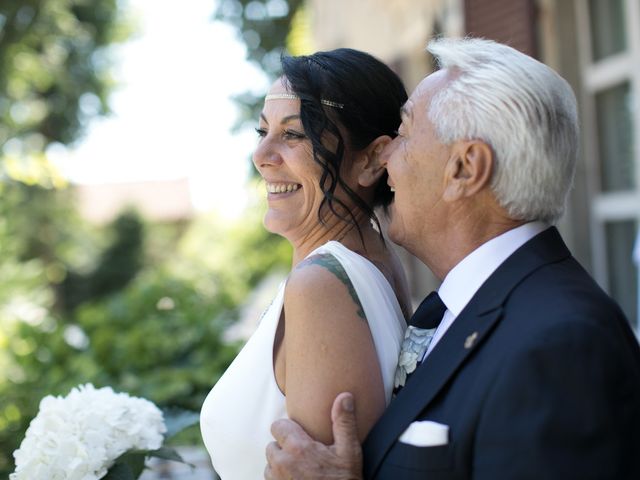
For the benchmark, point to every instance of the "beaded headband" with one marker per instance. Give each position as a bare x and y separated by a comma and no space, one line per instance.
290,96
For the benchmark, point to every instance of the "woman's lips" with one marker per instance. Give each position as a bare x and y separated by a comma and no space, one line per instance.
282,187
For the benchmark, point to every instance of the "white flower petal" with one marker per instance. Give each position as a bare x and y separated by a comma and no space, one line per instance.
79,436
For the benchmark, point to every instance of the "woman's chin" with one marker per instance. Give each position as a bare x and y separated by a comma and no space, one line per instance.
274,223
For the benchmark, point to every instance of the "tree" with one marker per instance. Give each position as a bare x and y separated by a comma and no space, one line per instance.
54,77
54,72
160,337
265,27
117,265
153,329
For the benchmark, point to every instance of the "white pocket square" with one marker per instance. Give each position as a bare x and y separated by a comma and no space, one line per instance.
426,434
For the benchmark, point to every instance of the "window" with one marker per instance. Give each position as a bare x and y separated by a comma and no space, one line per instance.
607,28
609,49
614,121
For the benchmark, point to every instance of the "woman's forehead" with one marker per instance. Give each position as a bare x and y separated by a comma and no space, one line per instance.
280,85
280,104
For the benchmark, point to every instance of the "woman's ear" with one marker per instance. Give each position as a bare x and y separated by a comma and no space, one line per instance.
371,168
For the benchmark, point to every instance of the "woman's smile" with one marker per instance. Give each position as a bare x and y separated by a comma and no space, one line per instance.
278,191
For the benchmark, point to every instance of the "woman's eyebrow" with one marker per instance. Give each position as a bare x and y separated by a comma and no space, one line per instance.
286,119
289,118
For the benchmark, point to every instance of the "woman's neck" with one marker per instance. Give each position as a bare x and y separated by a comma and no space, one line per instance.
338,230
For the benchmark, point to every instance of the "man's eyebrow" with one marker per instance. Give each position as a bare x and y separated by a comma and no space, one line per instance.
405,112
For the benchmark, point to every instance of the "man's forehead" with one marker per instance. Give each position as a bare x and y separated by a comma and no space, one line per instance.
415,101
424,92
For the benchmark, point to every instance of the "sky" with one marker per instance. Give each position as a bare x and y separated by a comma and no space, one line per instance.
172,112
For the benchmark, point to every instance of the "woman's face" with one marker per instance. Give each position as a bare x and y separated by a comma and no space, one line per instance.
284,159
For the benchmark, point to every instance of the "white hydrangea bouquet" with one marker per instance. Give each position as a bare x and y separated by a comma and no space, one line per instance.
94,434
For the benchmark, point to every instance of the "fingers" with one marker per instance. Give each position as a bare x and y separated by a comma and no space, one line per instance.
296,455
290,440
345,430
272,451
279,463
285,430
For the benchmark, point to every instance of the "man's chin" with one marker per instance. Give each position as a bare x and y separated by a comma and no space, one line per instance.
393,234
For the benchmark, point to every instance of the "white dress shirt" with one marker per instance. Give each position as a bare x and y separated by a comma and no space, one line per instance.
466,278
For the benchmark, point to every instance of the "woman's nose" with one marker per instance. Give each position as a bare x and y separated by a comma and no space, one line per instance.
266,154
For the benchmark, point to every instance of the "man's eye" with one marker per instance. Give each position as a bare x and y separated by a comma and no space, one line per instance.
261,132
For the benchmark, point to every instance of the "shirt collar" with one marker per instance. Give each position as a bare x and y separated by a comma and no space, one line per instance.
466,278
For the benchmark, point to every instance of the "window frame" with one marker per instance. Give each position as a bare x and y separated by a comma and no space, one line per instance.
597,76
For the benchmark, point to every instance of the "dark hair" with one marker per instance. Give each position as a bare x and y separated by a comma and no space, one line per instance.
371,95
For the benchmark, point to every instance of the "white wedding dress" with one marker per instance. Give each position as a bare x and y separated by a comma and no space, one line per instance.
237,414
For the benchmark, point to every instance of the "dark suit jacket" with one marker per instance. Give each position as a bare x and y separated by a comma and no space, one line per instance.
537,378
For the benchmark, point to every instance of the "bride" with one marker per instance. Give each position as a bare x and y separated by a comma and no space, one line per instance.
337,322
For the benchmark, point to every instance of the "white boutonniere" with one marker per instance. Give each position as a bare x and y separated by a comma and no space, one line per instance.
415,344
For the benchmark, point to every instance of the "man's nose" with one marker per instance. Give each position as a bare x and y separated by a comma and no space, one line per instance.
386,152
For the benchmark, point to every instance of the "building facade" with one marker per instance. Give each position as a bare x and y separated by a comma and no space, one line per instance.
594,44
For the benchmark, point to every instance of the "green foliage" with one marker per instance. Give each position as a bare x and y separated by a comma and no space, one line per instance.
138,307
159,337
54,69
128,467
242,253
176,420
53,78
130,464
117,266
263,26
39,223
35,358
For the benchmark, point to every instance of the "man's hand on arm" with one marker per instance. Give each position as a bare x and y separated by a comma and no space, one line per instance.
295,455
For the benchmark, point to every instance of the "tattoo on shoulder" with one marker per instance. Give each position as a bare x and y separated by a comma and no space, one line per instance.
330,262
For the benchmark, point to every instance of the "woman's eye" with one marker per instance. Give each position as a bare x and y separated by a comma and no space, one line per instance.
261,132
293,135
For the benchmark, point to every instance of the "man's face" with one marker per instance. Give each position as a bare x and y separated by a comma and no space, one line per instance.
415,161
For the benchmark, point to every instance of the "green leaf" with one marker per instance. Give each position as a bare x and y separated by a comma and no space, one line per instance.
177,419
127,466
120,471
168,454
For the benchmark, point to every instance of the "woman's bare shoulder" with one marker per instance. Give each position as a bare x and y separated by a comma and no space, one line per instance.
320,278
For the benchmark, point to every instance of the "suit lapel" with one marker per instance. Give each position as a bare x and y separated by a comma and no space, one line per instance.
467,333
462,338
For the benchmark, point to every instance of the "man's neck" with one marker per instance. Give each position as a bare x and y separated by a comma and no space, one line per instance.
464,238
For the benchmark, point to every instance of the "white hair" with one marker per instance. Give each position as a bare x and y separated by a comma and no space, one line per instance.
523,110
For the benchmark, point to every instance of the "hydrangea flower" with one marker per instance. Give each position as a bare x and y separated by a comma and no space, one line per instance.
79,437
415,344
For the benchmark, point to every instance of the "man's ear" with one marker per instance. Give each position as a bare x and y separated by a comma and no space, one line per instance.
468,170
371,168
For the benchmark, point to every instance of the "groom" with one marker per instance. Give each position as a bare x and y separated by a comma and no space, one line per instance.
533,371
